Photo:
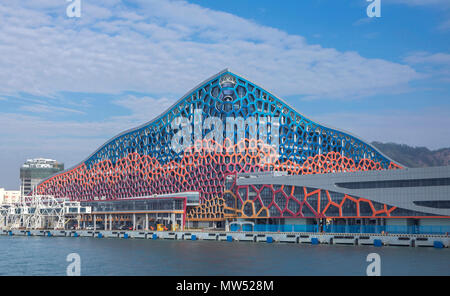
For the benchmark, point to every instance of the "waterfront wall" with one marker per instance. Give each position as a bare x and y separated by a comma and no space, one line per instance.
411,240
395,228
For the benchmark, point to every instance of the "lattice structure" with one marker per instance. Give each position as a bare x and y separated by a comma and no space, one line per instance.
288,201
140,162
139,175
280,201
33,213
214,209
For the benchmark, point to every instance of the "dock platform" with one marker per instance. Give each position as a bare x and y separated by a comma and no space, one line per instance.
408,240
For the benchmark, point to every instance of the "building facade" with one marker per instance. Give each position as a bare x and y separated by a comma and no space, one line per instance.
225,127
414,200
33,171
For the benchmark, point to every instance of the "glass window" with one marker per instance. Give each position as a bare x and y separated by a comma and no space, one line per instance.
437,204
395,183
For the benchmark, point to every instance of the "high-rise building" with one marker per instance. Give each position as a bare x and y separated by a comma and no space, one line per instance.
33,171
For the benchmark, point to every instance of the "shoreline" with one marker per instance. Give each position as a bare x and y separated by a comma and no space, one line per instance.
377,240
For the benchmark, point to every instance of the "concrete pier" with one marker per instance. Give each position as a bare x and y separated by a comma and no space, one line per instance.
412,240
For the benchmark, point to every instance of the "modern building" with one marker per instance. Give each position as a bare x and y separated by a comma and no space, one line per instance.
410,200
251,157
33,171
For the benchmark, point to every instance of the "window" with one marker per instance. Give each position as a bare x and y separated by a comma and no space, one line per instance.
395,183
436,204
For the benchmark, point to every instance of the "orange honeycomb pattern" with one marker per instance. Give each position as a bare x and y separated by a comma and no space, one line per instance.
214,209
202,168
297,201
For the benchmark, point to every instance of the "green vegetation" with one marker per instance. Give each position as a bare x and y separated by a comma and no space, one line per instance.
414,156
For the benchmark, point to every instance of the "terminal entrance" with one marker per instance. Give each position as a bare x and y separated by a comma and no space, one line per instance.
148,214
132,221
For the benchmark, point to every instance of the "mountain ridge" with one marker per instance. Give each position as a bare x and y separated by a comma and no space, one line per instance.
414,157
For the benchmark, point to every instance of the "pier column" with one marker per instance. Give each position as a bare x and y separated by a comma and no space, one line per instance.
95,222
346,226
146,222
134,221
361,230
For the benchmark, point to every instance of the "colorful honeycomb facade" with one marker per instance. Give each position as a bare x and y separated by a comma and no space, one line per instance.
141,161
281,201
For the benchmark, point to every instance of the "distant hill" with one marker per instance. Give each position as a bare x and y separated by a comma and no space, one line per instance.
414,156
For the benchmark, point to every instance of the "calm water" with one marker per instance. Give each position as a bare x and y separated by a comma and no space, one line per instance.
47,256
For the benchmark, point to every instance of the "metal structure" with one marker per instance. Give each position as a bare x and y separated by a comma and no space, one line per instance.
39,212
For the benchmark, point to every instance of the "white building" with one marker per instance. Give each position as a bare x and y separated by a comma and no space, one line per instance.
9,196
33,171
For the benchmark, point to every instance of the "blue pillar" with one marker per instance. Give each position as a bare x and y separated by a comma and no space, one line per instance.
438,244
377,242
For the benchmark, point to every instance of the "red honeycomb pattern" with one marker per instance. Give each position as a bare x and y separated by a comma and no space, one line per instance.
202,168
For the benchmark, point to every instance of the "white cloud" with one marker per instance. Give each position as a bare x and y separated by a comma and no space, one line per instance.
433,64
426,57
143,108
168,46
49,109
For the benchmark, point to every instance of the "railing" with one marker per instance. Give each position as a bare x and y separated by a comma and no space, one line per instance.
275,228
394,229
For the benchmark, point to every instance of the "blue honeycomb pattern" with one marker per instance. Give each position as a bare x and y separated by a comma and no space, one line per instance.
229,95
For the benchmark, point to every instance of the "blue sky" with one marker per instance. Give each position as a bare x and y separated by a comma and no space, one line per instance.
70,84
